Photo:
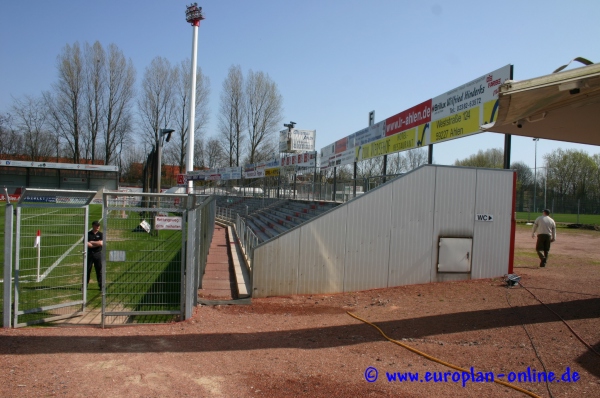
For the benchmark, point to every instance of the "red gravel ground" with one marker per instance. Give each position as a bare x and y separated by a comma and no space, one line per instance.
308,345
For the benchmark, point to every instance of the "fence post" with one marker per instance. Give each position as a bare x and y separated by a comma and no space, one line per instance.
578,201
8,244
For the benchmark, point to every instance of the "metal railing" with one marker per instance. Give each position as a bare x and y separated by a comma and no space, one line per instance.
248,240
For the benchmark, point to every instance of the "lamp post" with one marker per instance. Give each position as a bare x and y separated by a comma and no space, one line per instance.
159,145
290,127
193,15
535,175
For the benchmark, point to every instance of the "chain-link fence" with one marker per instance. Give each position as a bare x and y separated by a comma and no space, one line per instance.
564,208
49,270
153,243
304,187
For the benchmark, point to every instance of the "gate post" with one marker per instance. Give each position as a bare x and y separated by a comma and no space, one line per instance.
8,244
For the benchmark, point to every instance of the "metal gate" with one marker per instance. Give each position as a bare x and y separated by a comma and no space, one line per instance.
50,270
145,257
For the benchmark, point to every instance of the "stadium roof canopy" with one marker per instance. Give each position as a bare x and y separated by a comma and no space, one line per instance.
563,106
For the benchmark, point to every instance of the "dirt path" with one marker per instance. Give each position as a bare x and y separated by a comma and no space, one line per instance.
308,345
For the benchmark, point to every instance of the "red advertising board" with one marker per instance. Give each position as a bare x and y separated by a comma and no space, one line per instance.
341,145
413,117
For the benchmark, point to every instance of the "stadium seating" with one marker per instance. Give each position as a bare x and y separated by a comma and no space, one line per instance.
269,217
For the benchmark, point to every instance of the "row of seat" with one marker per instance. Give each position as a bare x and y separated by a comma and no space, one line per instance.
280,216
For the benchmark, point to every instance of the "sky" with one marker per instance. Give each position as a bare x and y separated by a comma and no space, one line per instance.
334,61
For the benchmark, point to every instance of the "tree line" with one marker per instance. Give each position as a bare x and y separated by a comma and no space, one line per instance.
571,177
96,111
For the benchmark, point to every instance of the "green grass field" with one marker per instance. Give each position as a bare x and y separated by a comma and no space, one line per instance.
148,280
590,219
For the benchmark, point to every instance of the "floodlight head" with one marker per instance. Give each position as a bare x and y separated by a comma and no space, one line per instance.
193,14
166,132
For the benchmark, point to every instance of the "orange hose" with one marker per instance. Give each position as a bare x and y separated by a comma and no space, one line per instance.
439,360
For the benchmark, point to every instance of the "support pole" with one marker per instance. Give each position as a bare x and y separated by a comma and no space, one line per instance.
507,143
384,167
333,198
430,154
354,179
189,164
158,163
8,245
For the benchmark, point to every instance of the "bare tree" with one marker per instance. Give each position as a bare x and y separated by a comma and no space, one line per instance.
31,118
120,83
369,168
11,143
131,162
182,112
94,59
199,153
412,159
157,102
232,115
214,154
66,102
263,111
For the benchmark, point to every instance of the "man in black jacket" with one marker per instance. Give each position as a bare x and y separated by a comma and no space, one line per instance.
94,256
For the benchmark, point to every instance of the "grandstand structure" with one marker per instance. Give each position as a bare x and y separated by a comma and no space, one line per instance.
434,224
16,175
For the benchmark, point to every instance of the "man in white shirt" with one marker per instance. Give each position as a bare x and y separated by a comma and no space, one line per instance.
546,229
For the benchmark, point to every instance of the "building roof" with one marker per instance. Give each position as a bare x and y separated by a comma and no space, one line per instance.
563,106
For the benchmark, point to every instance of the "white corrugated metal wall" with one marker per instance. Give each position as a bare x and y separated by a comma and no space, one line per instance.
491,248
389,236
454,212
321,267
411,228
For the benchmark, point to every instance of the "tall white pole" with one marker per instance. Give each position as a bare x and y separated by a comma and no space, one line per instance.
189,165
535,175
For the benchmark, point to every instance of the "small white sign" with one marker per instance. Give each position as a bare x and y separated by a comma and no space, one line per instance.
116,255
173,223
144,224
484,217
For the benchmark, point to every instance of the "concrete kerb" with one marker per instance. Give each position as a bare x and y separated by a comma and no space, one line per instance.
240,267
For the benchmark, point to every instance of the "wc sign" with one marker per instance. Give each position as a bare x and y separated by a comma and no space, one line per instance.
484,217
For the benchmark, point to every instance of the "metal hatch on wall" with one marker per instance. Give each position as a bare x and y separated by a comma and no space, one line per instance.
454,255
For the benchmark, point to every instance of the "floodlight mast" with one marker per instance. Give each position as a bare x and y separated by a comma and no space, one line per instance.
193,15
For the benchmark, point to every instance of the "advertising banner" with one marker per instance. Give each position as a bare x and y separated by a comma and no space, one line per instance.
303,140
273,172
223,173
257,170
394,143
63,166
307,159
454,114
285,141
297,140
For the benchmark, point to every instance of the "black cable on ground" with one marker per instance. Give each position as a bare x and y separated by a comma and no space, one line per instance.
565,322
534,348
434,359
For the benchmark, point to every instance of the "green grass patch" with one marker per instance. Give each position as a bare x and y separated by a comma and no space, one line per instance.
149,276
149,279
590,219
